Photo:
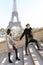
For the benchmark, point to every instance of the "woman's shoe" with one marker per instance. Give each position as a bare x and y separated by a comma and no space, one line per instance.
10,61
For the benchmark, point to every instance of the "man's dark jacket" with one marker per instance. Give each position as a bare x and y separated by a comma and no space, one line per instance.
27,33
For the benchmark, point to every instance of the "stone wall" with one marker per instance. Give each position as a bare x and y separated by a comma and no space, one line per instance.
38,34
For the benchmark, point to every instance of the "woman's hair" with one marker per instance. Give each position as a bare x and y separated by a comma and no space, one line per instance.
8,31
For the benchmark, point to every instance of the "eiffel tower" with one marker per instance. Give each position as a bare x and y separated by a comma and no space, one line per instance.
14,14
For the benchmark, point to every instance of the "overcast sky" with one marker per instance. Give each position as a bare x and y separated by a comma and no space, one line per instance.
29,11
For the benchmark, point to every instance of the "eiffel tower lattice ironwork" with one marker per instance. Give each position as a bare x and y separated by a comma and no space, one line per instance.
14,14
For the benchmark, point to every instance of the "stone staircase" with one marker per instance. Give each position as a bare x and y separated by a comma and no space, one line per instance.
34,57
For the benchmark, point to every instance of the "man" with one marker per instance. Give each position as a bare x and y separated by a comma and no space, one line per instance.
10,44
28,37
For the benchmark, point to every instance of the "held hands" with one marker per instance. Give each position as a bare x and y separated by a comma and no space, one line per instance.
17,38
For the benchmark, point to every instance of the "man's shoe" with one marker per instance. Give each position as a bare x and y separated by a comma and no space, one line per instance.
17,59
26,54
39,49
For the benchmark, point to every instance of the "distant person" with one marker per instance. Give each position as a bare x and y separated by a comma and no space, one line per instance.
28,37
10,44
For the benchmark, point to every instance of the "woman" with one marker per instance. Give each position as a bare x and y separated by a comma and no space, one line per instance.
10,44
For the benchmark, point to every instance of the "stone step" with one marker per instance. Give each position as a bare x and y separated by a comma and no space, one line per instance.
36,57
20,54
40,52
27,59
33,57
